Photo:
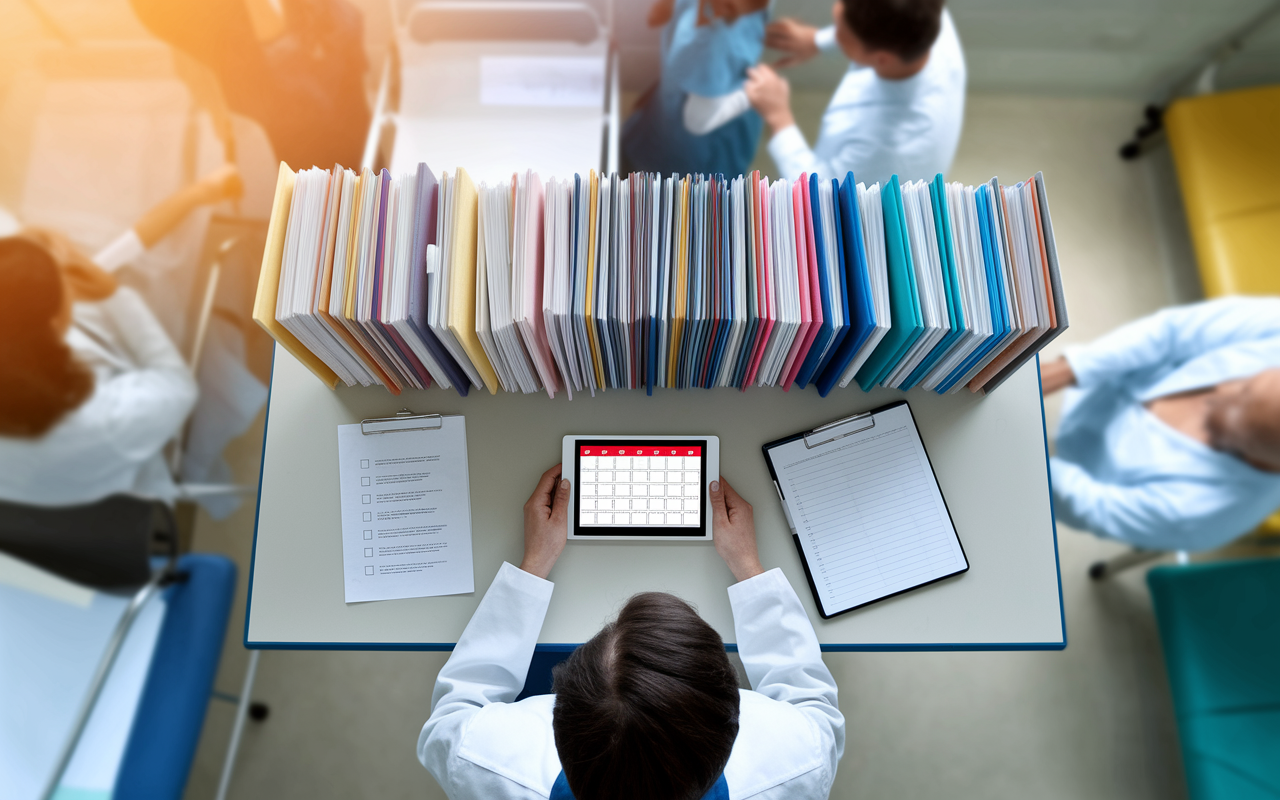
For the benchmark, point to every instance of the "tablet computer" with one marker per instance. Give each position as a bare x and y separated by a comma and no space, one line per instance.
640,488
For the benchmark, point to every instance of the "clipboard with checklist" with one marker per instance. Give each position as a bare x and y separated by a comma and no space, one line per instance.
865,509
406,507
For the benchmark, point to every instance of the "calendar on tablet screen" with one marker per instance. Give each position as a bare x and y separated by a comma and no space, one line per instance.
648,486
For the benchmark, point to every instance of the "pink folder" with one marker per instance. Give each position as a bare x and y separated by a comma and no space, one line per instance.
768,313
807,264
529,321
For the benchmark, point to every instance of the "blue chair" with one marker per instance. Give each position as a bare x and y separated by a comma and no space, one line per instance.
1220,628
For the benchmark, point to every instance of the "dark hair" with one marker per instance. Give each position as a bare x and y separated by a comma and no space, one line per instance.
906,28
649,707
41,377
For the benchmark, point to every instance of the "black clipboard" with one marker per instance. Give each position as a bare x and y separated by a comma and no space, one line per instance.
834,431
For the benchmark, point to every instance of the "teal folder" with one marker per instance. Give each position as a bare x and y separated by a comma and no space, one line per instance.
951,284
904,297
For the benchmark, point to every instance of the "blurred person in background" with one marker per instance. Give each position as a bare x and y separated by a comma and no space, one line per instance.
897,111
697,119
1170,434
93,388
296,67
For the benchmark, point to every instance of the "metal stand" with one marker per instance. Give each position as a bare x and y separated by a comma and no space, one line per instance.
242,709
1099,570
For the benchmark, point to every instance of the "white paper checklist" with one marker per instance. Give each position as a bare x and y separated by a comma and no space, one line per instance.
406,512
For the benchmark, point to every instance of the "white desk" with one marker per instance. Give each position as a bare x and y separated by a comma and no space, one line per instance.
989,455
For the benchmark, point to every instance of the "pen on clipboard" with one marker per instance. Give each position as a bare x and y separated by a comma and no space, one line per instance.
786,511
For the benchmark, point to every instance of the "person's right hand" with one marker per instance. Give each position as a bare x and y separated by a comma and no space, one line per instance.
546,523
734,531
1056,375
224,183
792,37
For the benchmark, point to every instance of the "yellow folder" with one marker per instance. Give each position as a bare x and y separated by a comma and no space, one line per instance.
264,305
593,249
462,278
680,289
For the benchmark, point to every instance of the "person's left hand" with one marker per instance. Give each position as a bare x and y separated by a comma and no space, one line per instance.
770,95
546,523
1055,375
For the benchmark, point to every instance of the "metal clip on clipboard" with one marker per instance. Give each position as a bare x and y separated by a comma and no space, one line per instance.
866,418
404,420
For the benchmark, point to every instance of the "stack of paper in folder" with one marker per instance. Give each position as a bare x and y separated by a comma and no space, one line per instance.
592,282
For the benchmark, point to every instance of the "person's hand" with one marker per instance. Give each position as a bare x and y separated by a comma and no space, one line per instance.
734,530
1056,375
770,95
224,183
546,520
660,13
792,37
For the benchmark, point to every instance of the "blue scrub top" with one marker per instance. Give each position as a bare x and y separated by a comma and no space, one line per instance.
710,60
560,789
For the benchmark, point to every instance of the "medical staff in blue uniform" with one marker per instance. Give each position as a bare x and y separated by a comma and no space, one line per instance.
650,707
1170,439
707,47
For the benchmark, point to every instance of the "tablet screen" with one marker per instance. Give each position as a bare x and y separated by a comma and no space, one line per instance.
640,488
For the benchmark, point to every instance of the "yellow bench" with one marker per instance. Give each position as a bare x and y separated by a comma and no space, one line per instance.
1227,152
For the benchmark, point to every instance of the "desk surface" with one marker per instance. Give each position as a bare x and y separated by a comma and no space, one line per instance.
989,455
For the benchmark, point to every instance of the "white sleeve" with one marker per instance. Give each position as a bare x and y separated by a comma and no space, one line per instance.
781,654
145,406
488,665
1173,336
793,155
825,39
702,115
125,249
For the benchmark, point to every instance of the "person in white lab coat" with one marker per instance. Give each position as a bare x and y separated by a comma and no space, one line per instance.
1170,433
897,111
650,707
93,388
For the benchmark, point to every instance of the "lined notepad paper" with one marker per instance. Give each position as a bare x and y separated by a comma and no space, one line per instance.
867,513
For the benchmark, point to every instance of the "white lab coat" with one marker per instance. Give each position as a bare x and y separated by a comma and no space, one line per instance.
1122,473
479,744
878,128
142,394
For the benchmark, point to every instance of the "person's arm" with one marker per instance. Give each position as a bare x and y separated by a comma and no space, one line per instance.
1173,336
223,183
776,641
146,406
702,115
1157,515
491,660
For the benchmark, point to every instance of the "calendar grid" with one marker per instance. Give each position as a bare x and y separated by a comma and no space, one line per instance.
655,485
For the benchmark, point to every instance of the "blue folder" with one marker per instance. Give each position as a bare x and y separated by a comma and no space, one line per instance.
830,294
904,296
842,332
995,292
950,280
862,311
725,310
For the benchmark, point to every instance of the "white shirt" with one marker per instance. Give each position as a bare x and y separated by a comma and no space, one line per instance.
1120,471
877,128
143,392
479,744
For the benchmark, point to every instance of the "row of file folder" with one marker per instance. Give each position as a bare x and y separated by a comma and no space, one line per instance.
594,282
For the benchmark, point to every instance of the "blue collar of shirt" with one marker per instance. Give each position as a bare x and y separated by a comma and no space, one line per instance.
560,789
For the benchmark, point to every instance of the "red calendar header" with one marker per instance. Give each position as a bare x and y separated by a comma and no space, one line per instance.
632,450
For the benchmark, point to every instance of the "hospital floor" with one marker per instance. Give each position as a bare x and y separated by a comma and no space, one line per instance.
1094,721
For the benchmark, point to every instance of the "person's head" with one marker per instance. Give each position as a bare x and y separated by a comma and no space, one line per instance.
890,36
41,377
1244,419
648,708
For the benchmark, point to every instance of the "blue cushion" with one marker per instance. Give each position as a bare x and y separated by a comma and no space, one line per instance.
1220,628
171,710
